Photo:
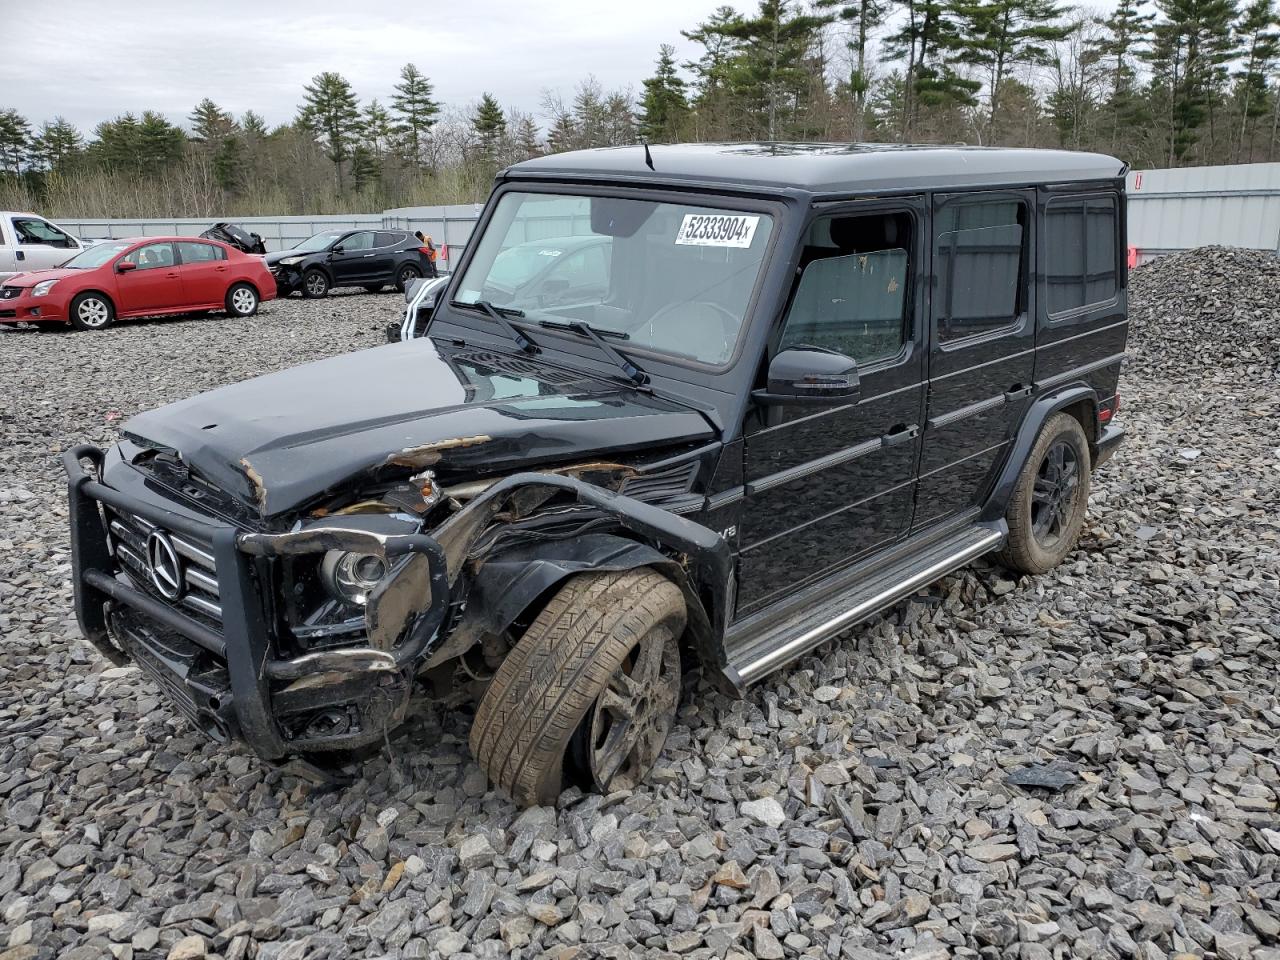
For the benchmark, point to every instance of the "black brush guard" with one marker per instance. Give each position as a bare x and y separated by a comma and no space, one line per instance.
259,687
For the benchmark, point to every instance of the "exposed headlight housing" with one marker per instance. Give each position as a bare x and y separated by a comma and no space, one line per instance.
42,288
350,577
290,261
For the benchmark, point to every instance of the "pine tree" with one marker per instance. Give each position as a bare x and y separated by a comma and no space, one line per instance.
253,125
415,112
862,18
928,40
1125,41
15,141
364,166
489,123
1261,45
58,144
210,124
998,35
330,112
526,138
664,107
1191,45
713,109
159,142
376,129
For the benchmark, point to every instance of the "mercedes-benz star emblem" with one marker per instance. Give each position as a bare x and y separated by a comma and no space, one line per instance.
164,566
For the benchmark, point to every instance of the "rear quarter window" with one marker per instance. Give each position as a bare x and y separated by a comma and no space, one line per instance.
1081,264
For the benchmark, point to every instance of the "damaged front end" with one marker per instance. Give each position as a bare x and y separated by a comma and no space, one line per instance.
310,638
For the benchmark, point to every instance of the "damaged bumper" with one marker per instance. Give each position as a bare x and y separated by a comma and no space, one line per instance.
214,654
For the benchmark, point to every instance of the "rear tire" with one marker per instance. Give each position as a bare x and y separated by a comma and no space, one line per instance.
405,274
92,311
1050,500
315,284
600,662
242,300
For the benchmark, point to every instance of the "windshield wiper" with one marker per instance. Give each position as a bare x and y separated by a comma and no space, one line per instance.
500,314
582,328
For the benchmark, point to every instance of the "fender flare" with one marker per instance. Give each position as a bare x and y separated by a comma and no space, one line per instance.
698,559
1028,432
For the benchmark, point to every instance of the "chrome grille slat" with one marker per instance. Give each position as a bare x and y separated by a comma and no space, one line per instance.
129,542
192,552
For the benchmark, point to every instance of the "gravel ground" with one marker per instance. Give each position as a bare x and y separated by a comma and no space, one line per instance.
1079,764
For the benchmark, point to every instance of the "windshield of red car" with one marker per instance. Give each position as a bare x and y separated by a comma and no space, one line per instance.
97,255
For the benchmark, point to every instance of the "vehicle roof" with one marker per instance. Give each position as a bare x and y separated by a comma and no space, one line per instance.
825,168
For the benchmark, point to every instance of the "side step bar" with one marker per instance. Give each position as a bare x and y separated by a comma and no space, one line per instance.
834,609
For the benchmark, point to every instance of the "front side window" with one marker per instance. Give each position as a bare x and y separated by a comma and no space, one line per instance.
852,292
358,241
200,252
321,241
33,230
1080,252
670,277
150,257
977,263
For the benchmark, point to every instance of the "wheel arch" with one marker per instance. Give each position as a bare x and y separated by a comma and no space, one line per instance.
115,308
1080,401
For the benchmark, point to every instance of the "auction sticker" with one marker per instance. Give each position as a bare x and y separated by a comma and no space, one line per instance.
717,230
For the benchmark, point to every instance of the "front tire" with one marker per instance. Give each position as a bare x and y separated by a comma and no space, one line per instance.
405,274
92,311
315,284
242,300
1050,499
598,670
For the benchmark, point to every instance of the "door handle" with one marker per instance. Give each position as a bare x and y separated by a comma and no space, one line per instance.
1017,392
172,276
221,269
367,255
900,434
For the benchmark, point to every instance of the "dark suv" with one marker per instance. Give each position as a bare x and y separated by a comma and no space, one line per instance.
349,258
785,387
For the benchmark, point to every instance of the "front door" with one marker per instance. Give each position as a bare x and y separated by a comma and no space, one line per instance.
154,283
204,273
41,245
353,263
982,354
826,486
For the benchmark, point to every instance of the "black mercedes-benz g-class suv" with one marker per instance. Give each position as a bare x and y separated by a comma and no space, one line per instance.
782,387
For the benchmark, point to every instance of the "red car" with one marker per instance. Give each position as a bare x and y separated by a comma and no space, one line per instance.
141,277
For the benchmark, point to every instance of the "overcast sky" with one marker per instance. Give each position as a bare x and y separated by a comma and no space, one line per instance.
90,60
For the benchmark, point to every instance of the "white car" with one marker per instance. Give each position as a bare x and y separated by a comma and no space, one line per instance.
30,242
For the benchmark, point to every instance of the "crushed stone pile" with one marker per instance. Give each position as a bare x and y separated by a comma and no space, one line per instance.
1209,310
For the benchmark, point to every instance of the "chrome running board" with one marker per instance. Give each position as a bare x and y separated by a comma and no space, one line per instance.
771,639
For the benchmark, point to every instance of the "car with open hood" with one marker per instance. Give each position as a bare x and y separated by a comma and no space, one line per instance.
685,407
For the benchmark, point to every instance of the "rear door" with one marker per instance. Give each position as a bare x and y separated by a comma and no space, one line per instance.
40,245
387,247
203,268
352,264
8,244
982,354
154,284
825,486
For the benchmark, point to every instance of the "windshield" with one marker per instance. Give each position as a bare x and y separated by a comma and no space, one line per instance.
97,255
671,277
321,241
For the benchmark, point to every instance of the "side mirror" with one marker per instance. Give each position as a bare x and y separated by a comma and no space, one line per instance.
810,375
337,249
124,266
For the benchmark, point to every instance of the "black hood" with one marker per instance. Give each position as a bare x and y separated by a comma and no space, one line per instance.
281,254
284,439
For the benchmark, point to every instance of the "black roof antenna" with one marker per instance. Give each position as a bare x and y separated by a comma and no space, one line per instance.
648,160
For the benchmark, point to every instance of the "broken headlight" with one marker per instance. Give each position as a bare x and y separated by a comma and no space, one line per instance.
350,577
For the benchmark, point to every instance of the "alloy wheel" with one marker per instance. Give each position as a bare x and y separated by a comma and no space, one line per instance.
243,301
633,715
93,312
1054,493
316,285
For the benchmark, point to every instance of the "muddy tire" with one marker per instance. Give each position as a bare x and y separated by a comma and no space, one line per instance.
593,683
1050,499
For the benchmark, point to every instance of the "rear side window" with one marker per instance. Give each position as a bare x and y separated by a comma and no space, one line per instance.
200,252
388,238
1080,252
978,254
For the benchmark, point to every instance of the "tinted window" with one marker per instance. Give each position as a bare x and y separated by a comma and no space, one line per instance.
33,230
200,252
358,241
151,256
390,239
977,262
1080,252
852,293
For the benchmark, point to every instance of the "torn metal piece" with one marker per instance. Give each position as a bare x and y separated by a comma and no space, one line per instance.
429,453
259,486
330,662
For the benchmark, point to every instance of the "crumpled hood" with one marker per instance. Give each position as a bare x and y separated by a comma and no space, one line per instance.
31,278
284,439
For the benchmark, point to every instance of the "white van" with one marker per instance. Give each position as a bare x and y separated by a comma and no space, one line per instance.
29,242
